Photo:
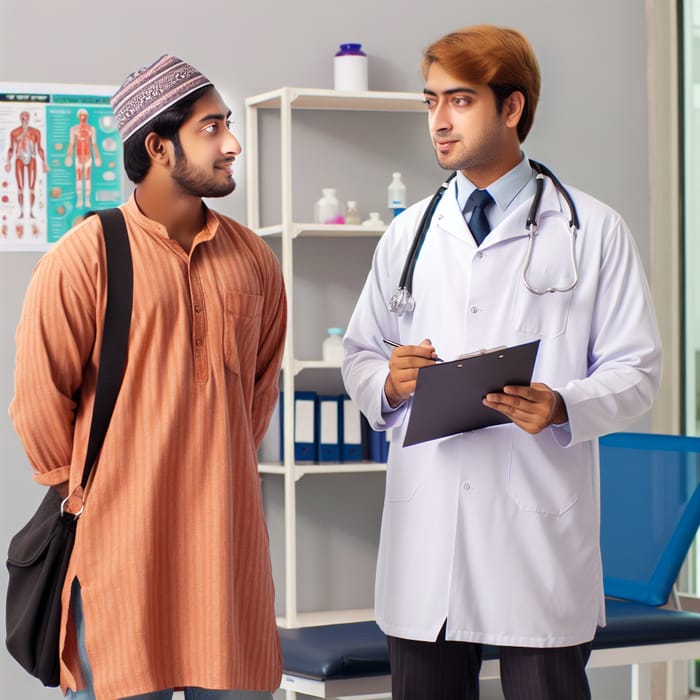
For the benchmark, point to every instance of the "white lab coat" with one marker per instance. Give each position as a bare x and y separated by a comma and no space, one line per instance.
498,530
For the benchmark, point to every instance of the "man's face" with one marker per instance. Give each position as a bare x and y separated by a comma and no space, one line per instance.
466,129
204,166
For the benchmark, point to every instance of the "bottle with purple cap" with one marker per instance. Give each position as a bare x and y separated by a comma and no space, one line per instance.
350,68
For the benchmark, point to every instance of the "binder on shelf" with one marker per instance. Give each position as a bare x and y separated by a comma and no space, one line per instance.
328,428
351,433
378,446
305,426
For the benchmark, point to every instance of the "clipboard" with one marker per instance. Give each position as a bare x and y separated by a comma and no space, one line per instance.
448,395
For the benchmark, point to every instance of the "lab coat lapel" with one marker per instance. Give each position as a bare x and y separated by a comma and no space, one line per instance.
514,225
448,216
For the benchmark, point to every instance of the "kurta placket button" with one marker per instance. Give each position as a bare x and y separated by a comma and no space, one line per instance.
474,310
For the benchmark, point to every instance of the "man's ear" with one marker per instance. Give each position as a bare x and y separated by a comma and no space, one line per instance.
159,149
513,107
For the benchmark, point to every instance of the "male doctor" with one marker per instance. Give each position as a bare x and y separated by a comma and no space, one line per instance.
492,536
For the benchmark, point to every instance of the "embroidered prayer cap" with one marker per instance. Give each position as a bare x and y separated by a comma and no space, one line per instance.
151,90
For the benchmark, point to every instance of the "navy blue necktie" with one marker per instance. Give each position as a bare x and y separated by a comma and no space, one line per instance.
479,224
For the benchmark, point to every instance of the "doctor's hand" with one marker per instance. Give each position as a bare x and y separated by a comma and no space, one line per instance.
532,408
404,364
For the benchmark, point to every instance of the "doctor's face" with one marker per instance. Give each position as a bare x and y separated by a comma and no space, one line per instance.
467,131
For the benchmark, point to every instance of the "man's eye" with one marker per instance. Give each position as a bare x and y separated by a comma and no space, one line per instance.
429,103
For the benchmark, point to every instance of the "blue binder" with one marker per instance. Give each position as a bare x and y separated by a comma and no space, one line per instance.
378,446
351,430
328,428
305,428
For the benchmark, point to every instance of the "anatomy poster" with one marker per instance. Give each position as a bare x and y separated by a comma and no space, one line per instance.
60,156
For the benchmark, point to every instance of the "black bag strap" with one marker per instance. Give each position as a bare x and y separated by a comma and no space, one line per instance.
120,284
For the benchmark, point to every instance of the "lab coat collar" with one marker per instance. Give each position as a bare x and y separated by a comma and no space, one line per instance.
448,216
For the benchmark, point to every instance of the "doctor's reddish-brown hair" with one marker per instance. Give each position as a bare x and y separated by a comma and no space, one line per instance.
498,57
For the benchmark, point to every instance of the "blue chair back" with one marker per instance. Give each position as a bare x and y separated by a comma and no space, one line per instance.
650,512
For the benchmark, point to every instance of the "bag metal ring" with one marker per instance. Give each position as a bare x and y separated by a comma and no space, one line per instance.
65,501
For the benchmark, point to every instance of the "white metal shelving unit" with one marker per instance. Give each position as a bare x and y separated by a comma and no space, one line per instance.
286,100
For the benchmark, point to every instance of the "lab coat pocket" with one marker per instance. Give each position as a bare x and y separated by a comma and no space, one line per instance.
403,480
545,315
544,477
242,315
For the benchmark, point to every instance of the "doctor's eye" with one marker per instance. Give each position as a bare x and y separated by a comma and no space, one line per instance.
461,100
429,102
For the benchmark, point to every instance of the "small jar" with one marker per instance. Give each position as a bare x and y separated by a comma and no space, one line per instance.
327,209
373,220
350,68
332,349
352,216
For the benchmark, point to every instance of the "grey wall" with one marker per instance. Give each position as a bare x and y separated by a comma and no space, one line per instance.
591,128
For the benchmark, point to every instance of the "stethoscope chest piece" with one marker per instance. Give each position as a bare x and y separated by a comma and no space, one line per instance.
401,301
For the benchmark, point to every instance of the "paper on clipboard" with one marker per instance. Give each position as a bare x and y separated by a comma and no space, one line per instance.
448,395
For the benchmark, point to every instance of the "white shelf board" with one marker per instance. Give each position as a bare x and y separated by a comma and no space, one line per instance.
323,230
320,98
300,469
328,617
300,365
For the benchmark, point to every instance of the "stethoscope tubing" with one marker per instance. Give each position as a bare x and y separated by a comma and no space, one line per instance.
402,300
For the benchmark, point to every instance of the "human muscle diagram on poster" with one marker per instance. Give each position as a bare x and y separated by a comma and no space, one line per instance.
60,157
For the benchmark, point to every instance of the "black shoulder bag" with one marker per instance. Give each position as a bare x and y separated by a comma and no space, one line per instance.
39,553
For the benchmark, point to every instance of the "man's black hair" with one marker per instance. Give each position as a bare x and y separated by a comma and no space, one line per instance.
167,125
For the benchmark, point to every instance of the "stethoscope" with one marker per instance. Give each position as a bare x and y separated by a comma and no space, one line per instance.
402,300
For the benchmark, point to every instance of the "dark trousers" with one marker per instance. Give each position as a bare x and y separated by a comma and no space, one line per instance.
443,670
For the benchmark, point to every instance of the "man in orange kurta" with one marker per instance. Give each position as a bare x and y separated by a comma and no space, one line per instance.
170,582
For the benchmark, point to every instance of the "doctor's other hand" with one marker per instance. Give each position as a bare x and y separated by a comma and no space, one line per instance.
404,363
532,408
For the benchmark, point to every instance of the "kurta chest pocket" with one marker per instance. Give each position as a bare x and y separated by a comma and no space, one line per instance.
242,316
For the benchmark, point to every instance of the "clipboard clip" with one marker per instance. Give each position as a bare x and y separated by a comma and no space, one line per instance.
483,351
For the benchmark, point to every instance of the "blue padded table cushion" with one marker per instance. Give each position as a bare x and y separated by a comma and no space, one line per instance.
359,649
335,651
631,624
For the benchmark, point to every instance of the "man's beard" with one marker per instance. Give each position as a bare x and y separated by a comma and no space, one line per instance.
193,181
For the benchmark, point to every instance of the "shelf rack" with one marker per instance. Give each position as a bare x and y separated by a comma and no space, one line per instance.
286,100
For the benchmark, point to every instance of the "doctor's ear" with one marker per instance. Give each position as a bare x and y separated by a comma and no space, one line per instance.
513,108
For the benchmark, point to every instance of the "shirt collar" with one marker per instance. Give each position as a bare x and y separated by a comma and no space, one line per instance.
504,190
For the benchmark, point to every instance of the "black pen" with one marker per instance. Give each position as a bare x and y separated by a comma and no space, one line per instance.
394,344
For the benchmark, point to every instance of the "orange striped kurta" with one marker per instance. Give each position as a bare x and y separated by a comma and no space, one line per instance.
172,549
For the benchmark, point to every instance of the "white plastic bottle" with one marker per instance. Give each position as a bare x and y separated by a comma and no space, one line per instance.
332,348
350,68
396,194
327,210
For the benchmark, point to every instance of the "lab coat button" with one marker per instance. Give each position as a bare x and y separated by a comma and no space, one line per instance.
479,255
474,310
467,486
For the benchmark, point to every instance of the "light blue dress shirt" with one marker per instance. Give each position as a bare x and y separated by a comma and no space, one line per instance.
508,192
